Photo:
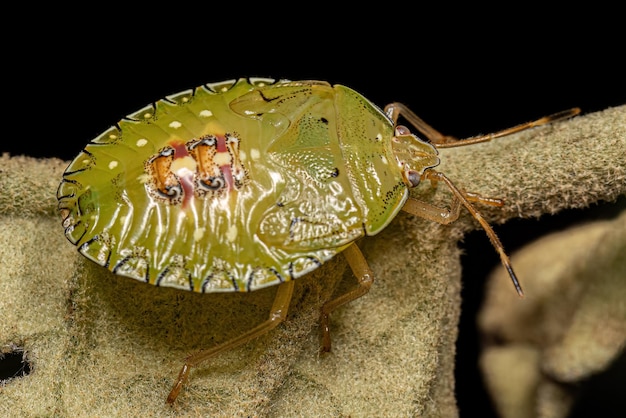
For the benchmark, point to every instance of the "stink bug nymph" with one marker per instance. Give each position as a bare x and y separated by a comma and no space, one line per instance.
249,183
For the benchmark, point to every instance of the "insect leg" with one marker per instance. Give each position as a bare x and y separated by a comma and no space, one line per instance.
365,277
446,216
433,213
278,313
396,109
491,201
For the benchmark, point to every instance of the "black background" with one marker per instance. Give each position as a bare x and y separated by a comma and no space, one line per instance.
71,73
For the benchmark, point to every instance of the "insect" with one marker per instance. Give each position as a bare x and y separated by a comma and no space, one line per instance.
249,183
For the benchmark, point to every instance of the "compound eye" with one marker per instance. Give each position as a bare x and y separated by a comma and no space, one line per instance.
402,130
413,178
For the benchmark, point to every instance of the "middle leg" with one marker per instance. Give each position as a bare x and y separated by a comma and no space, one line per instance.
365,278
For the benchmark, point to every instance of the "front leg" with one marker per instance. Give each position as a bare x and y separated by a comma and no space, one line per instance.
445,216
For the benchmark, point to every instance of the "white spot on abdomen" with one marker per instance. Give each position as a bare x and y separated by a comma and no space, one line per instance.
198,234
231,235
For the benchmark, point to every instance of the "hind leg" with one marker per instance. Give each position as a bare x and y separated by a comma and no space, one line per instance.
278,313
